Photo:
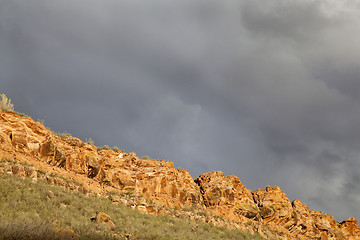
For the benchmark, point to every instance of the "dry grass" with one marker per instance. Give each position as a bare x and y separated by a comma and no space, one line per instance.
5,103
32,210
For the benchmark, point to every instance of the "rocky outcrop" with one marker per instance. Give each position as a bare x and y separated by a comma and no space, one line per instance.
267,211
350,228
273,204
227,196
156,180
295,217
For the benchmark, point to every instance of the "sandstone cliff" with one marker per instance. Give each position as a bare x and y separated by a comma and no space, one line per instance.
267,211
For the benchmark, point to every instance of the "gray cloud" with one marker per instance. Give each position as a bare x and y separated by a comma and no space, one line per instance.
266,91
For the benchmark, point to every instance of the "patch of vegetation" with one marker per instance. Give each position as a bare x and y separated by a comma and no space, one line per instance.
21,114
33,210
146,157
33,230
7,160
115,148
105,147
41,172
5,103
63,134
90,141
7,106
53,174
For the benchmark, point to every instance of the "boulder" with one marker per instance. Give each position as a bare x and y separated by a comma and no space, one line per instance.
65,234
47,148
103,218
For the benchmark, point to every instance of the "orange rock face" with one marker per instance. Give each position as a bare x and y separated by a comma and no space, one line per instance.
227,196
23,139
274,205
156,180
350,228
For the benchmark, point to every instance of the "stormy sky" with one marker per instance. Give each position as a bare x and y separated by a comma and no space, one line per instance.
265,90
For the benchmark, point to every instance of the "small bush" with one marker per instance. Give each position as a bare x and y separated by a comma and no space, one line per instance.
146,157
62,135
90,141
41,172
9,160
21,114
5,103
105,147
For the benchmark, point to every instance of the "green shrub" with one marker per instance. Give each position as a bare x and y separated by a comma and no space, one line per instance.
90,141
105,147
63,134
21,114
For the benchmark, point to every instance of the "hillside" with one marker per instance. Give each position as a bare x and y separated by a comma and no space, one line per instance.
40,211
157,187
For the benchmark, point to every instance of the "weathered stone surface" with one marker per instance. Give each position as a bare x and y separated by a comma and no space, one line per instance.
158,181
274,205
19,139
350,228
92,166
47,148
301,219
227,196
167,185
312,224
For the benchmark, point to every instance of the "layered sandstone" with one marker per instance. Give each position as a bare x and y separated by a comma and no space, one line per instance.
105,171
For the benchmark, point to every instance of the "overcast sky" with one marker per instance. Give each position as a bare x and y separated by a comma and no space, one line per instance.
265,90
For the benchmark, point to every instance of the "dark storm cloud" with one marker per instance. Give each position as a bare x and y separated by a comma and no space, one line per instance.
265,90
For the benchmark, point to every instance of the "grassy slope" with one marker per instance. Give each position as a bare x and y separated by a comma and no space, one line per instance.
31,211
